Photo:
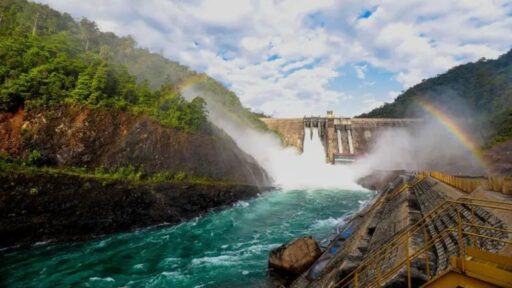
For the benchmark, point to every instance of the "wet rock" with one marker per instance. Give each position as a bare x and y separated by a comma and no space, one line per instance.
294,257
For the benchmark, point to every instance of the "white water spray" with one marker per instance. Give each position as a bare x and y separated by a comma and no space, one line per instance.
310,169
288,168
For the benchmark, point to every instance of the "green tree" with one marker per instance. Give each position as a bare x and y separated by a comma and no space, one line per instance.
99,85
197,113
83,87
13,93
88,31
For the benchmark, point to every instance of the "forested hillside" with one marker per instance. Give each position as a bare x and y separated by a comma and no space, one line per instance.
74,97
481,91
47,57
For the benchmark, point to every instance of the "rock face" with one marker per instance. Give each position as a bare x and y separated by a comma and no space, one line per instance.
41,206
291,130
74,136
295,257
500,158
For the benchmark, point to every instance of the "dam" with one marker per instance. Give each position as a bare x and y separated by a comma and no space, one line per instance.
344,139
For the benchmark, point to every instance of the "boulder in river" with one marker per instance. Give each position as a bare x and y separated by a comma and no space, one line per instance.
294,257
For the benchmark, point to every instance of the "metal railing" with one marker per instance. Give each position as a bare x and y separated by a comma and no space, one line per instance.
403,254
469,184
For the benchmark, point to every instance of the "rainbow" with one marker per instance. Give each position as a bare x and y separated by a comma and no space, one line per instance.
191,81
466,139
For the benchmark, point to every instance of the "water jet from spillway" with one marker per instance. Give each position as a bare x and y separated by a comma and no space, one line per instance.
288,168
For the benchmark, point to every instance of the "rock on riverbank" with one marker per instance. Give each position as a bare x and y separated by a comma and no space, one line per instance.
295,257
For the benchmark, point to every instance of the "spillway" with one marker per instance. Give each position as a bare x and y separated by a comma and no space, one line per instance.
340,145
350,142
314,151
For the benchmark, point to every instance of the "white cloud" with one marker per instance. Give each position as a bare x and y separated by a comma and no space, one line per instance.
393,94
220,12
360,70
409,78
372,103
419,39
313,39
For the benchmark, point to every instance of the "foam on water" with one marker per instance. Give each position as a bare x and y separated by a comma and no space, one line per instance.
106,279
329,222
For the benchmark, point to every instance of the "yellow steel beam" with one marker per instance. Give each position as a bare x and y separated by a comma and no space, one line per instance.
500,260
488,273
452,279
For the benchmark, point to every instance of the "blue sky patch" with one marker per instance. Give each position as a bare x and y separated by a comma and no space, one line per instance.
273,57
316,19
309,65
367,13
377,85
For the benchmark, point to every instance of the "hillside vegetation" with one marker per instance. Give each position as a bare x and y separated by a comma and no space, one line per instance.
73,97
47,58
481,91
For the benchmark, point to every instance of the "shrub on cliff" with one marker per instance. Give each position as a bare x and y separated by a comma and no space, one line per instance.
36,158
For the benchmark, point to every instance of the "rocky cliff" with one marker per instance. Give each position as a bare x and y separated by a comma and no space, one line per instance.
38,206
499,159
74,136
61,202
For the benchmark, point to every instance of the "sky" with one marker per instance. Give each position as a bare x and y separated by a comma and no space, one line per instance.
303,57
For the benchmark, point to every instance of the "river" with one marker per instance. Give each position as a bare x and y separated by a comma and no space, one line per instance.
227,248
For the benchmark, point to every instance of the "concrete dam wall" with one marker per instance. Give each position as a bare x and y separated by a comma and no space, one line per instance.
291,130
344,139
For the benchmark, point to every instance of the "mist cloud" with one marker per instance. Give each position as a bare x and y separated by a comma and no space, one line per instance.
288,168
428,146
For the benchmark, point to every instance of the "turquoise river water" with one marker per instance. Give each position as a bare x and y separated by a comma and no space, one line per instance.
227,248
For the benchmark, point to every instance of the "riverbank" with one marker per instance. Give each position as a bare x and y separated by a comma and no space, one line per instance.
38,205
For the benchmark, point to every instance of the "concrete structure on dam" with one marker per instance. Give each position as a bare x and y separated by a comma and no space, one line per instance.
344,139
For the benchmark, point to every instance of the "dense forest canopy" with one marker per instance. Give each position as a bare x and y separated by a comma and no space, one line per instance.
481,91
48,57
